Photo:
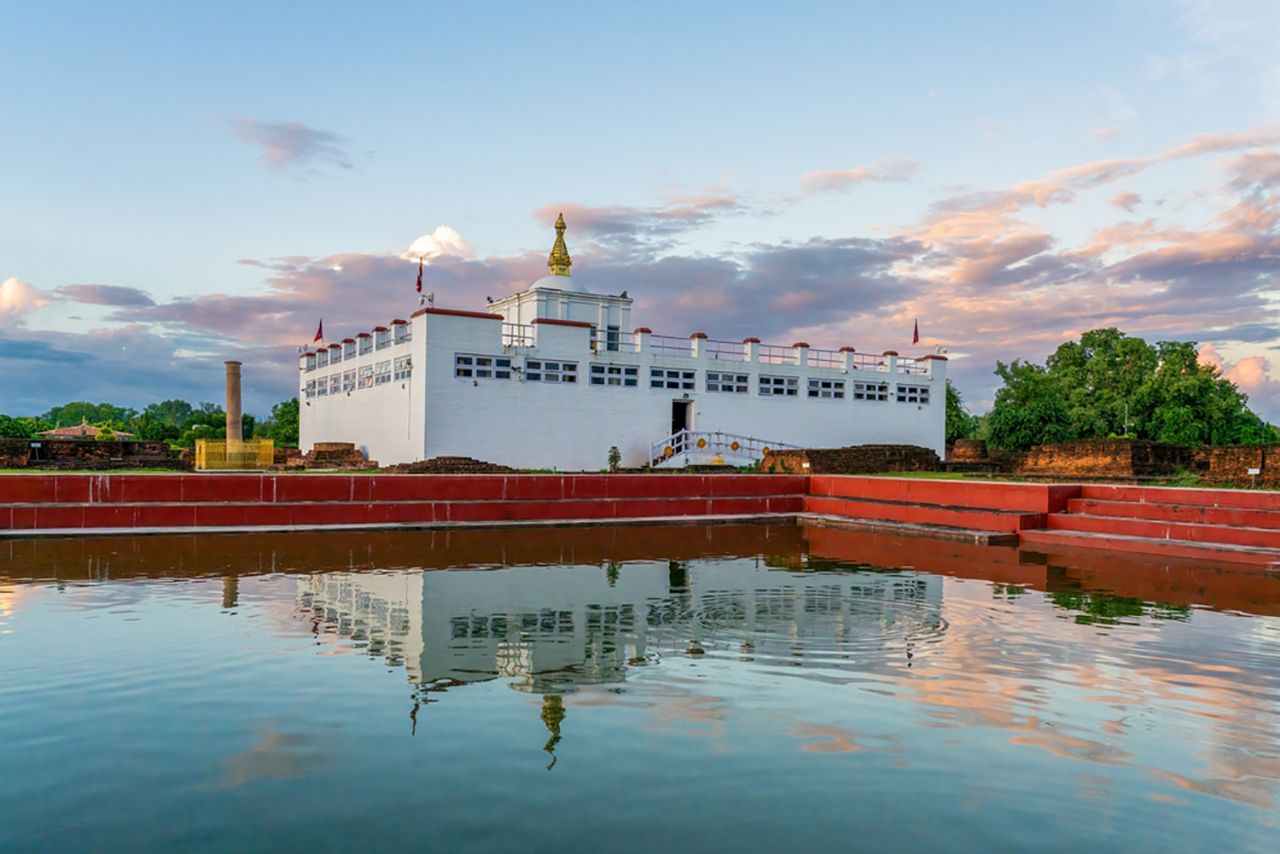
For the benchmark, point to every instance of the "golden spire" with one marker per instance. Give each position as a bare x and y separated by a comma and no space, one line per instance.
559,261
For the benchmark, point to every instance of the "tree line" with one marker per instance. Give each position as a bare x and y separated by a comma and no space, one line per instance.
174,421
1112,385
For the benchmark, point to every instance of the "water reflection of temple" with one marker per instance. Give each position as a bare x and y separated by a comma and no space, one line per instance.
550,629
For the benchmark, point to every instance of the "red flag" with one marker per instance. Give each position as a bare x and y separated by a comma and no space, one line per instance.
419,275
319,332
915,337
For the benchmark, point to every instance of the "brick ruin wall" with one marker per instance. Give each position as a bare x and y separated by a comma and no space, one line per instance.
856,459
85,455
1126,459
1106,458
1230,465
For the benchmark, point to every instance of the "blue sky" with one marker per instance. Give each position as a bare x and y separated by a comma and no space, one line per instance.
184,181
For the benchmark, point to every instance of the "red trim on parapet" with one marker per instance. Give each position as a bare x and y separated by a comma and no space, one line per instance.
803,344
889,353
847,350
363,335
398,322
381,329
449,312
348,340
750,340
554,322
698,335
643,330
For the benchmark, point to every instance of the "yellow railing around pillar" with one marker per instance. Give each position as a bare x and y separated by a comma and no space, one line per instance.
215,455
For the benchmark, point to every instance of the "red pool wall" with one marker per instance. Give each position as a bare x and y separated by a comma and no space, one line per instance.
70,501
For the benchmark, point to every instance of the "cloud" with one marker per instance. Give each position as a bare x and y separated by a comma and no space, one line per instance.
444,240
1126,200
833,180
639,231
114,295
1251,374
1103,134
286,145
986,272
19,297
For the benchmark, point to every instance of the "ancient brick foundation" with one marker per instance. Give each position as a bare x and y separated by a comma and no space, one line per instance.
336,455
449,465
856,459
968,451
86,455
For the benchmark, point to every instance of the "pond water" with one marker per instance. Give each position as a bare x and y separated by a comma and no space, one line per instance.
748,688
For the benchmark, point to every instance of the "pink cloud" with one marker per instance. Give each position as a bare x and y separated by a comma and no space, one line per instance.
832,180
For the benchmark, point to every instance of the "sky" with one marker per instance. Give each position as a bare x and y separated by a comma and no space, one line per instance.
188,183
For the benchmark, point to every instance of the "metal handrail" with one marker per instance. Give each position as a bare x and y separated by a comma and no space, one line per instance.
517,335
725,351
670,345
714,442
621,341
826,359
774,354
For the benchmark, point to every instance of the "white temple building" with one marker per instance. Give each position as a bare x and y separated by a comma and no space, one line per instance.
554,376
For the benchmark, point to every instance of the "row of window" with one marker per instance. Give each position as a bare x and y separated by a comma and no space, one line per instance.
473,366
367,376
381,341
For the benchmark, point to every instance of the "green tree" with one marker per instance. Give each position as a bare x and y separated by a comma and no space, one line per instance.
80,412
13,428
282,426
960,424
1099,376
1185,402
1112,384
1029,409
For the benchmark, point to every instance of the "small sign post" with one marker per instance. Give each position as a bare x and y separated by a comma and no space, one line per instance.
1253,474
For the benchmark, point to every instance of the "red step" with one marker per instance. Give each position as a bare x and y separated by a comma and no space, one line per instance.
977,495
1197,513
1265,538
1250,499
924,514
283,513
216,488
1264,559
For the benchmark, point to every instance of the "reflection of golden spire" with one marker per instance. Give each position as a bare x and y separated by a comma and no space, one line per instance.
559,261
552,715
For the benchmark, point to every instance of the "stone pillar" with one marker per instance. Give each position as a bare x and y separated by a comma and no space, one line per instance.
802,353
235,423
642,339
752,348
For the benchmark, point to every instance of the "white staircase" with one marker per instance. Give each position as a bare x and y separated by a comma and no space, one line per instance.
707,448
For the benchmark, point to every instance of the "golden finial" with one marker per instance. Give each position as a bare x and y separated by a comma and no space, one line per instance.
559,261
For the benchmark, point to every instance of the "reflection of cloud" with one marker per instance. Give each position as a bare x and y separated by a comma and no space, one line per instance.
833,739
277,755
